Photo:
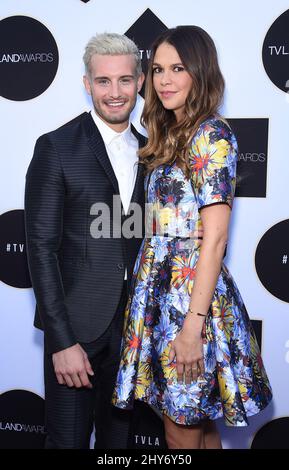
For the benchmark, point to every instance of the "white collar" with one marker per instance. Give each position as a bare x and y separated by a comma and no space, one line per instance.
107,133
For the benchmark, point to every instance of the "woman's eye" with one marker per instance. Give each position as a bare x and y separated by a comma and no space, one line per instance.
178,68
156,70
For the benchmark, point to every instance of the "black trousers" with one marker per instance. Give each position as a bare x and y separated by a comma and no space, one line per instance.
71,412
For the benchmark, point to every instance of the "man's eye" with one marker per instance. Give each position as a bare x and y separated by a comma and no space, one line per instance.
102,82
126,81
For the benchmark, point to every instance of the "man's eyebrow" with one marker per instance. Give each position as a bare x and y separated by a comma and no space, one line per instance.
100,78
107,78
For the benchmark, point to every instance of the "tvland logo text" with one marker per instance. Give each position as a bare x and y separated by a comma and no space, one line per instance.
31,428
252,157
147,440
278,50
145,54
22,420
16,58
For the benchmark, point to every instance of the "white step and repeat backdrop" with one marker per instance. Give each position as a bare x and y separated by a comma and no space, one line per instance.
41,48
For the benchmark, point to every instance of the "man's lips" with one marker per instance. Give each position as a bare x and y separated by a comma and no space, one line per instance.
115,104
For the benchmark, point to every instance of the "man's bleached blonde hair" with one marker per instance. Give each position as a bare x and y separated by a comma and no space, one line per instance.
111,44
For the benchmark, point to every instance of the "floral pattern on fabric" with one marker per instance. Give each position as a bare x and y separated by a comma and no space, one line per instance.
235,384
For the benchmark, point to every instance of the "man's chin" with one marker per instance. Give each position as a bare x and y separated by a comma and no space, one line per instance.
116,119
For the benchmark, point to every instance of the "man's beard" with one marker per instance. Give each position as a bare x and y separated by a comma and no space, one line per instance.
117,119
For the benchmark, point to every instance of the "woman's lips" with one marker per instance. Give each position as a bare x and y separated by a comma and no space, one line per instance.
167,94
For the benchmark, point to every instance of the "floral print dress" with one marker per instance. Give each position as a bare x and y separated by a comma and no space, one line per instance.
235,384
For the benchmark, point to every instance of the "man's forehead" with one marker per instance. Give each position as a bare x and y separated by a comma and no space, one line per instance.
113,63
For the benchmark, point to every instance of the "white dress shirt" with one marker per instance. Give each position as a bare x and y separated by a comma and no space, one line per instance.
122,148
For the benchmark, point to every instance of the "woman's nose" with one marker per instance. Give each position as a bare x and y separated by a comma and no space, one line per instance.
166,77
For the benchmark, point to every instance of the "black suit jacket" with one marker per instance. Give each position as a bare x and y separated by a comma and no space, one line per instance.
77,279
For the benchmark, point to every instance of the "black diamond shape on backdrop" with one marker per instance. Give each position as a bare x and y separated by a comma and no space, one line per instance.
144,32
85,1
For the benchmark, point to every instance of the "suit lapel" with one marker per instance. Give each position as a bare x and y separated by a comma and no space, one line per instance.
97,146
139,181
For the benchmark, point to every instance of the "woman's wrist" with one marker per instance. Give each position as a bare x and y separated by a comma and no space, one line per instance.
193,324
196,312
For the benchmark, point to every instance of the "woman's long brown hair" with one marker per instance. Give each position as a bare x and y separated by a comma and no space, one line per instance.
169,140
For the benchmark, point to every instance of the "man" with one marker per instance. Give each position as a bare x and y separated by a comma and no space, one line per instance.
80,280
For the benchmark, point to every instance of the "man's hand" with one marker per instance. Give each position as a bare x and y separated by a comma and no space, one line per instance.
72,367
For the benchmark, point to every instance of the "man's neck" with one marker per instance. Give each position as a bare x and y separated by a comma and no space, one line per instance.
117,127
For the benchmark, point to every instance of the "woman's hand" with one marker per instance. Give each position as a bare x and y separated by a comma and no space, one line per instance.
188,351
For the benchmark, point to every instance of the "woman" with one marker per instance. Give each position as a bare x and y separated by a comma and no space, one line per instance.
189,348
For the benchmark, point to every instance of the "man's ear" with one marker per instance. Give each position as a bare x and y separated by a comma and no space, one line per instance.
86,82
140,81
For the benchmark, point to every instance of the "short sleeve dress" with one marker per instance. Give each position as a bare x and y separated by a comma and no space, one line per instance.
235,385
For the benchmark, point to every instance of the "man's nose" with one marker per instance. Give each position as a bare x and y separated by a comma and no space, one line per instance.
115,90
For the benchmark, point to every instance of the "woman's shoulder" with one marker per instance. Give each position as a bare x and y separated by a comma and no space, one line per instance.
213,129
